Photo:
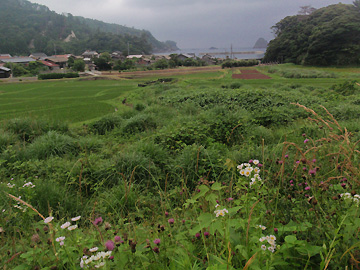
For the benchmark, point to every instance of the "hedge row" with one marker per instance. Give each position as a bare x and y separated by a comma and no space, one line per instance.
57,76
239,63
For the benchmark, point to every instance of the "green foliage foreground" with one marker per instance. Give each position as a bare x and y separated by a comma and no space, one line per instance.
300,211
195,173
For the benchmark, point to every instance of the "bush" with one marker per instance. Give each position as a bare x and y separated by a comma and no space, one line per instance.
57,76
52,144
105,124
239,63
138,123
27,129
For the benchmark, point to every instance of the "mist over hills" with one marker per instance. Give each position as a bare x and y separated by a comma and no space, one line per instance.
27,27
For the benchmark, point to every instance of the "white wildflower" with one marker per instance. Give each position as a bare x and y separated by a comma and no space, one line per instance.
48,219
65,225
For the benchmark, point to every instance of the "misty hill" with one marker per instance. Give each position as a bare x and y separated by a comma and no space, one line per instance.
260,44
327,36
28,28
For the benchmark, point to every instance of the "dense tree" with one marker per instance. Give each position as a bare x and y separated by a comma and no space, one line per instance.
79,65
328,36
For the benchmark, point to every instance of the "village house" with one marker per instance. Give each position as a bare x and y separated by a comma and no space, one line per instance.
117,55
209,59
18,60
38,56
60,60
90,54
5,56
50,65
183,57
5,72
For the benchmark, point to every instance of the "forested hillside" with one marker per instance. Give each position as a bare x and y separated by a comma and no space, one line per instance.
28,27
327,36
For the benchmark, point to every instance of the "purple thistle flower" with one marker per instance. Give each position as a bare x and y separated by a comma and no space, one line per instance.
251,161
157,241
286,156
307,188
206,234
171,221
298,161
304,135
117,239
197,235
291,181
166,213
312,172
97,221
260,165
109,245
230,199
156,249
314,160
304,169
276,230
111,257
306,141
343,185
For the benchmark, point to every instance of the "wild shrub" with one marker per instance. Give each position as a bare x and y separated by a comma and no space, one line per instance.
138,123
52,144
347,88
28,129
106,124
6,138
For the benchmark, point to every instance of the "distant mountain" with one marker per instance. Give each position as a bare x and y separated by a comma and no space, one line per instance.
260,44
26,28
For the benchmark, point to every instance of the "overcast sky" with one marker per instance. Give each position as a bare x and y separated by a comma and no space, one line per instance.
192,23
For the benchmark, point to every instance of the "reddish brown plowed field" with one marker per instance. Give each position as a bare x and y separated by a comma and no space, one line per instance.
250,74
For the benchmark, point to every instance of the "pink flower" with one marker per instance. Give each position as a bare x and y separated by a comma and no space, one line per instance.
156,249
109,245
166,213
298,161
197,235
306,141
250,161
111,257
157,241
304,135
314,160
171,221
259,165
206,234
312,172
291,181
286,156
276,230
97,221
230,199
307,188
117,239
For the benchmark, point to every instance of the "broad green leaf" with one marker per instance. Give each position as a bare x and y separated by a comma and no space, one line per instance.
291,239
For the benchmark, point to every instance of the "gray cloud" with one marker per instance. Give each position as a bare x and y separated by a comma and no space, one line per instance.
192,23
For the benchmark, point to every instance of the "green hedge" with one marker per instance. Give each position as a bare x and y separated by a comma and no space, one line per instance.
57,76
